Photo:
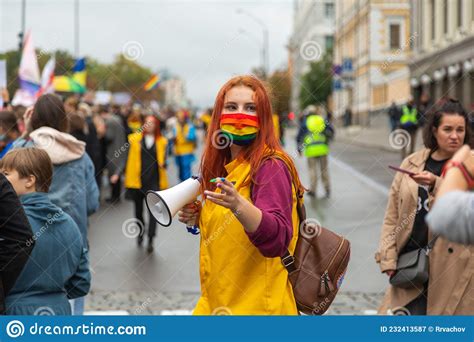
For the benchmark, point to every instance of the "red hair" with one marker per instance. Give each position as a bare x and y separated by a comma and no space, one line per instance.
157,132
265,144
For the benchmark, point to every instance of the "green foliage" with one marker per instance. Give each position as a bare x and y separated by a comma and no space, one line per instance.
316,84
13,62
280,86
127,75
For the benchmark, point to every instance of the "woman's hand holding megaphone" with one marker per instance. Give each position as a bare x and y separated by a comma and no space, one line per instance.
189,214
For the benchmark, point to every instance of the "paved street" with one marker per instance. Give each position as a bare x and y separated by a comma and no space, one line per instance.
127,280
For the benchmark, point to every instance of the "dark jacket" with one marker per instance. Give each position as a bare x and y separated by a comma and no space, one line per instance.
394,112
16,239
58,267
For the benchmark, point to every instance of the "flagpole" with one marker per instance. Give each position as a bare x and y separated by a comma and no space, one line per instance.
21,35
76,28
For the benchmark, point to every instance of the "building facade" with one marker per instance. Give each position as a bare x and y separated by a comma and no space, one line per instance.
312,36
371,54
443,59
175,93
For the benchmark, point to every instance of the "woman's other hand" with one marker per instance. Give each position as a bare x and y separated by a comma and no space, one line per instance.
229,197
424,178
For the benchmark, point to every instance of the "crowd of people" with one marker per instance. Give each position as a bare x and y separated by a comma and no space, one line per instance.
58,156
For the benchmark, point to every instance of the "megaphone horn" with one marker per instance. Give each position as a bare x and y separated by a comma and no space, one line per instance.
164,204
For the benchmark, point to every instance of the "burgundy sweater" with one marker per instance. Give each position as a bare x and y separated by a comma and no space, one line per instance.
272,194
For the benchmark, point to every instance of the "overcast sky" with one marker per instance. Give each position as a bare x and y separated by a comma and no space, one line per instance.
200,41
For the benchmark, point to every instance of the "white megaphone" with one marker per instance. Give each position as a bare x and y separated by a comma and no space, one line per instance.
163,205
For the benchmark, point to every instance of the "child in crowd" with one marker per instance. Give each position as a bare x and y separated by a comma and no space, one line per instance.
8,131
58,268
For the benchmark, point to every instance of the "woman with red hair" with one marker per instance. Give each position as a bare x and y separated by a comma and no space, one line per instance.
146,170
248,219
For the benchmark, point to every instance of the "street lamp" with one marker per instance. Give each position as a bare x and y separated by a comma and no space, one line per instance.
265,49
259,44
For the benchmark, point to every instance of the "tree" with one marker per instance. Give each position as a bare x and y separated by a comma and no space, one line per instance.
127,75
259,72
316,84
64,62
280,86
13,62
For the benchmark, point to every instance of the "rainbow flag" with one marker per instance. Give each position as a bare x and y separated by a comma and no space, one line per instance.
152,83
74,84
28,72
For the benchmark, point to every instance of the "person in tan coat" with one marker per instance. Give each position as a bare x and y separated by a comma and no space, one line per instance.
450,287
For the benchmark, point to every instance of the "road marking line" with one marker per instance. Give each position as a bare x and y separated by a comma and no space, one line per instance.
363,178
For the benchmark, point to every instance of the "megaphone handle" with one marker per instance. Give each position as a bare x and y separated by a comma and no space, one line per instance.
193,229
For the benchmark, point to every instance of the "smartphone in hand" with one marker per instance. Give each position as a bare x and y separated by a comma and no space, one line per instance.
398,169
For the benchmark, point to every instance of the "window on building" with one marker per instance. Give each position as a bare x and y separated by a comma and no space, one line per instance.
329,41
394,34
329,10
459,13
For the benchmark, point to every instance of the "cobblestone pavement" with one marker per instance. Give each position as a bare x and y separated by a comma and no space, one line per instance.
182,303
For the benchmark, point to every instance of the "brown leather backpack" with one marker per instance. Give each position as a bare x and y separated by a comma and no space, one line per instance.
317,267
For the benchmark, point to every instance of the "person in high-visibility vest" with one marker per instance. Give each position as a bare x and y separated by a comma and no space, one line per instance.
313,139
409,123
184,139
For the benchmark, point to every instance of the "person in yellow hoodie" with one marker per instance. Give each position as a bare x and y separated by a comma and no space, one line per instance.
146,170
248,218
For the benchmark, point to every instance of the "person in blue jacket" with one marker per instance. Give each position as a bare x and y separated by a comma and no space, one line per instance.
58,267
46,127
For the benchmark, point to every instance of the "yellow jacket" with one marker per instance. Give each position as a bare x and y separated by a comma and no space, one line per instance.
276,125
183,146
134,163
235,277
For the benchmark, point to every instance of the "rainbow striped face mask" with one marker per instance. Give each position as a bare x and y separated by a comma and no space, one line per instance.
241,128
